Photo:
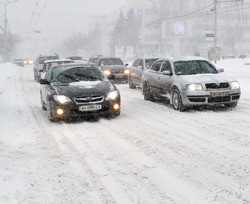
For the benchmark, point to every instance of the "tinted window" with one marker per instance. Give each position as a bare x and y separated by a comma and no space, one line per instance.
75,58
156,66
149,62
111,61
69,75
193,67
166,66
141,63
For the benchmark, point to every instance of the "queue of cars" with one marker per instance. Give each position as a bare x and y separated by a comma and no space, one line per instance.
72,89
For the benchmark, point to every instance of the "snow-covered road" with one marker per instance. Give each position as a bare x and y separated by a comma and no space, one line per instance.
150,154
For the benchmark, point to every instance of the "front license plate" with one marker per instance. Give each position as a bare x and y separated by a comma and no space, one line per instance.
218,94
90,108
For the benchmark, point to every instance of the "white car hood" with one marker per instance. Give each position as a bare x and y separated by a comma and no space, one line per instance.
206,78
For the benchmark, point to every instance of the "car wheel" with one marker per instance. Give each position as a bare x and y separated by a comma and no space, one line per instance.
177,101
42,103
148,96
231,105
113,114
131,84
49,114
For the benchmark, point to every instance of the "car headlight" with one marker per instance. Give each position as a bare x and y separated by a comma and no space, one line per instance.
126,71
194,87
235,85
112,95
61,99
107,72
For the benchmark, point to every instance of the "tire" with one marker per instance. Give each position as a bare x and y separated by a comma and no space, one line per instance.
231,105
148,96
42,103
177,101
130,83
113,114
49,114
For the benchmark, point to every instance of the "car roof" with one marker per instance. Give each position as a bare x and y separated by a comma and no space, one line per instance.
75,64
58,60
185,58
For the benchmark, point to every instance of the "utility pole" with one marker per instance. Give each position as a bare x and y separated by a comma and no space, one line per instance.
215,29
5,27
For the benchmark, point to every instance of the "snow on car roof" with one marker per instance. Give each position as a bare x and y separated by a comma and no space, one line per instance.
190,58
58,60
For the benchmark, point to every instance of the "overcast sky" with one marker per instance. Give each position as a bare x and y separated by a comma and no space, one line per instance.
56,19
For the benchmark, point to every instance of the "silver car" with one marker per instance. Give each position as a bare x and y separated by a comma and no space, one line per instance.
137,69
189,82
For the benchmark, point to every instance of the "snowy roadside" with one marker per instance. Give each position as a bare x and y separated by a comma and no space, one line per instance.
150,154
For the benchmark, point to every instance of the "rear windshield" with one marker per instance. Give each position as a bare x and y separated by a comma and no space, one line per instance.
194,67
75,74
42,59
75,58
111,61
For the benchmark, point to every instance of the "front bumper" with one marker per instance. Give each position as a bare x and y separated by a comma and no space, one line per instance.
71,109
213,97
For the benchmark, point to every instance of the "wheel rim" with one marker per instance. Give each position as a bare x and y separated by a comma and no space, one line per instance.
175,100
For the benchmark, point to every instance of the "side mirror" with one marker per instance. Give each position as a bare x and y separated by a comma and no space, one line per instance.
140,67
126,65
221,70
166,72
44,82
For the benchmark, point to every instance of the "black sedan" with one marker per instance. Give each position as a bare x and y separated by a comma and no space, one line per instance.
78,90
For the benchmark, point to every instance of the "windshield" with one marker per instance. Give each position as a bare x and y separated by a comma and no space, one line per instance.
69,75
194,67
111,61
42,59
75,58
149,62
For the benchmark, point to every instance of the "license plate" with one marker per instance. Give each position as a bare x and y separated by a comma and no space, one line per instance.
218,94
90,108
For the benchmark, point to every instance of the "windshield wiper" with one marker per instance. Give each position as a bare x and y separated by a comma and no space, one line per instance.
89,77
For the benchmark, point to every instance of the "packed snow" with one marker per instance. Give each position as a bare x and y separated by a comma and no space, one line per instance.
150,154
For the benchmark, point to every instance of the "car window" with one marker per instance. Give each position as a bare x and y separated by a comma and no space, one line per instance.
149,62
166,66
135,63
141,63
111,61
193,67
42,59
76,74
48,75
156,66
207,68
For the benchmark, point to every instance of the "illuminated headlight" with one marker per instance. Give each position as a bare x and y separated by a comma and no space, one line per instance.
112,95
194,87
31,62
25,62
61,99
126,71
235,85
107,72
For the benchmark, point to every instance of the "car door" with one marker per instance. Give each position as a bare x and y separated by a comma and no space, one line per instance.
153,77
133,69
46,88
165,81
139,71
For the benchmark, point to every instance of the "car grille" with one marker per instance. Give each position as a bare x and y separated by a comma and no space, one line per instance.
219,99
89,99
224,85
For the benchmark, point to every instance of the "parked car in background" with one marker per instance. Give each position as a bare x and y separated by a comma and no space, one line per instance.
78,90
18,62
38,66
77,59
92,60
189,82
113,68
137,69
51,63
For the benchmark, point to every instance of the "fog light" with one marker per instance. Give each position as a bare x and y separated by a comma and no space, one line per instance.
116,106
59,111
